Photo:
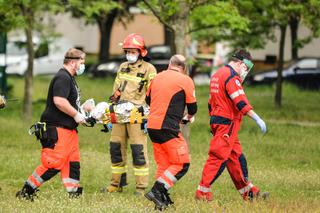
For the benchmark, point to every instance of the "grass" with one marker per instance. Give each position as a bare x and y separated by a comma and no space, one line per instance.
285,162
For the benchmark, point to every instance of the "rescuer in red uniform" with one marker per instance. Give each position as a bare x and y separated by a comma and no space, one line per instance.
227,106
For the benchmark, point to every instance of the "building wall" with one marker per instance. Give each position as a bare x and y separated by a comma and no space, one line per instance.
88,36
272,48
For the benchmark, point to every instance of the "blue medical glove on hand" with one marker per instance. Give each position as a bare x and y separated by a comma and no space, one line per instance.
109,126
145,128
260,123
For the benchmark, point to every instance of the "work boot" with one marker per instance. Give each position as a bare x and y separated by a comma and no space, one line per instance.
27,192
205,196
76,194
112,189
168,200
157,196
255,194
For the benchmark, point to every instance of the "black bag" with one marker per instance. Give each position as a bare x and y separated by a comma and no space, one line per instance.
47,134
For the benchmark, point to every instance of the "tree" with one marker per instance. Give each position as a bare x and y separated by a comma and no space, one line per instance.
208,20
25,15
104,13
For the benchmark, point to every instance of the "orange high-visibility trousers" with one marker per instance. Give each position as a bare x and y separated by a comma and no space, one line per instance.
172,159
64,157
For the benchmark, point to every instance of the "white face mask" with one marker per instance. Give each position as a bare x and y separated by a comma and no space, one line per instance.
132,58
81,69
243,71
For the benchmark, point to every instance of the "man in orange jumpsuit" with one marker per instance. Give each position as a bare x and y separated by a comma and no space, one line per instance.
227,105
58,127
168,95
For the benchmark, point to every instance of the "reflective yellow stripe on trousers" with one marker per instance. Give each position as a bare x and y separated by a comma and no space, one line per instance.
118,169
141,171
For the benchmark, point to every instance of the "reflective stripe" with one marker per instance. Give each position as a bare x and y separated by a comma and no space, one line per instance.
204,189
170,176
37,177
245,189
118,169
236,94
152,75
124,76
141,171
161,180
31,184
70,180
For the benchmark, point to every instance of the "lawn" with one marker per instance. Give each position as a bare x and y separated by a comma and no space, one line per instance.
284,162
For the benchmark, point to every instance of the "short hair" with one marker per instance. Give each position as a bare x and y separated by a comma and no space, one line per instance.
73,54
241,54
178,61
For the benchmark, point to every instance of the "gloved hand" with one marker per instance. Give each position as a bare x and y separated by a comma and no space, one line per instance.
260,123
145,128
80,118
187,118
107,127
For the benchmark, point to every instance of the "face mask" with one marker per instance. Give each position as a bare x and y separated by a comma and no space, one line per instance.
243,73
132,58
81,69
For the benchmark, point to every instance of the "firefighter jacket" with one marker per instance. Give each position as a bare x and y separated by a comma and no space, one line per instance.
227,98
133,80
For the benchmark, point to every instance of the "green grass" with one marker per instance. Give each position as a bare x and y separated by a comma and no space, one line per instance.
285,162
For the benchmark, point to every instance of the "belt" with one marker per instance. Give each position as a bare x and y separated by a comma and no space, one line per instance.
219,120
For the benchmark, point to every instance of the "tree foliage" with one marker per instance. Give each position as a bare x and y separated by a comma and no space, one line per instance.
26,15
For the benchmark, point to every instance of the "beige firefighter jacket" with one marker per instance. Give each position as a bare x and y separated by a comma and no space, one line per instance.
133,81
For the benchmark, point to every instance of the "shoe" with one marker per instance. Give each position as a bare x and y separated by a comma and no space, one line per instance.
76,194
112,189
204,196
255,194
27,192
158,199
168,200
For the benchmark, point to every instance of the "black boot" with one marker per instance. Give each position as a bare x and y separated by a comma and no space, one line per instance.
27,192
76,194
168,200
157,196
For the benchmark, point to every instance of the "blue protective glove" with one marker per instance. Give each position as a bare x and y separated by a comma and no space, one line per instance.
260,123
145,128
109,126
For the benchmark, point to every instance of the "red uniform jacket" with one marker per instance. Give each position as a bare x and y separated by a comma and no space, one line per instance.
227,98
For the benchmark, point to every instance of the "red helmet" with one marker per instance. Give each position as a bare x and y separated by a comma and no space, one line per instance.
135,41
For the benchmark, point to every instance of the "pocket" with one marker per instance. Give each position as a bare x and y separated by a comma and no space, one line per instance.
49,137
183,154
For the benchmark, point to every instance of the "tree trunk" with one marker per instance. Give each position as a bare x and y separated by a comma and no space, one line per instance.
181,28
278,95
294,26
169,39
28,86
105,27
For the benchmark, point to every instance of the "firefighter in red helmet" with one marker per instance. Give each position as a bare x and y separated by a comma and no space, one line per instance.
130,86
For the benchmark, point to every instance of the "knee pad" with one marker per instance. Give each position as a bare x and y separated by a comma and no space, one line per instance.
138,154
184,170
115,152
74,170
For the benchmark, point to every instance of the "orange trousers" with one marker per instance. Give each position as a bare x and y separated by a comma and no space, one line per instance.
171,156
64,157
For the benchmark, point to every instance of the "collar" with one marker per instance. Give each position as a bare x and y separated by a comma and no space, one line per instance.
233,72
138,64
